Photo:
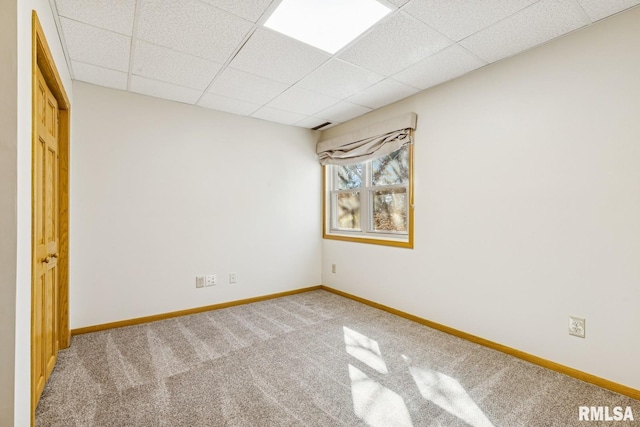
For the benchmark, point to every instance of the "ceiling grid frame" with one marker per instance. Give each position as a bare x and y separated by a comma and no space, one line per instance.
134,40
354,85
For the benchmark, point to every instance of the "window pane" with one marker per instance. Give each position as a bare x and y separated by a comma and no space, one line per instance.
392,169
390,209
348,211
349,176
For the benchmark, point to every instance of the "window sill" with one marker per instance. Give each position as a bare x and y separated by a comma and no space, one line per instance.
408,244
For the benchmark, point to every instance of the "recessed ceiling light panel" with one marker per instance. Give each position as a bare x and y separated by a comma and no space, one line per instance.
326,24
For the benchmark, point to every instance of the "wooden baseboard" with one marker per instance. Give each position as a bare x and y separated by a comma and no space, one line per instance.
156,317
583,376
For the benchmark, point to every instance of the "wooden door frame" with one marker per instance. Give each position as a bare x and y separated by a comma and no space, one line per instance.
43,59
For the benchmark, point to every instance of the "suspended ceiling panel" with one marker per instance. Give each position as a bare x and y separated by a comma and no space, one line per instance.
217,54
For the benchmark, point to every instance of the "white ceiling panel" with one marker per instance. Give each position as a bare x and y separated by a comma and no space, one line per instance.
248,87
164,90
278,57
250,10
447,64
161,63
96,46
192,27
302,101
598,9
343,111
394,45
279,116
534,25
339,79
458,19
178,49
110,15
99,75
230,105
384,93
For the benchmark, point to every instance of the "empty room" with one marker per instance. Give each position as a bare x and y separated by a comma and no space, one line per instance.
319,213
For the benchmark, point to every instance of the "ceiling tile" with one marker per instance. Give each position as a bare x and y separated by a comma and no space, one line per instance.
599,9
248,87
96,46
275,115
110,15
250,10
99,75
278,57
302,101
458,19
164,90
445,65
394,45
182,44
161,63
343,111
535,25
192,27
230,105
384,93
311,122
339,79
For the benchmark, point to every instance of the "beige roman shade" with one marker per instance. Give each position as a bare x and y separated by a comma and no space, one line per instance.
368,143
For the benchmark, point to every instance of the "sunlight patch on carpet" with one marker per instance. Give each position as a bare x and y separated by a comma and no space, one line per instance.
364,349
448,394
375,404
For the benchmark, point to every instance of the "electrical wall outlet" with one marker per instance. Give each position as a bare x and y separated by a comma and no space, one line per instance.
576,326
211,280
199,281
232,278
333,268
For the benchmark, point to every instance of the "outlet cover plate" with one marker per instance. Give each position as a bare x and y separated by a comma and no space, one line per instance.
576,326
199,281
233,278
211,280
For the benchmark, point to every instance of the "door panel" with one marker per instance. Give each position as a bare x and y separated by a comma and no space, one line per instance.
45,199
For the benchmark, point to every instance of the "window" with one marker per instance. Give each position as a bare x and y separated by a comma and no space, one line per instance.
371,201
368,183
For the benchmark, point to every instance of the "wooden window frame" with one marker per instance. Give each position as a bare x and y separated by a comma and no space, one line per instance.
369,238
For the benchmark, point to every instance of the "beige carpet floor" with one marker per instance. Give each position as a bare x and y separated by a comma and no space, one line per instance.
311,359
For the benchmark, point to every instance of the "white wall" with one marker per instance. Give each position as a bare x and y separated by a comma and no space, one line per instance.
23,289
162,192
8,210
527,204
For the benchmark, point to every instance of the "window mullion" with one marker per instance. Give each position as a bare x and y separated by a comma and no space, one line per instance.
365,199
332,210
389,187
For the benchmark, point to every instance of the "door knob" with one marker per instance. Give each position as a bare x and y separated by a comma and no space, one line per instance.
49,257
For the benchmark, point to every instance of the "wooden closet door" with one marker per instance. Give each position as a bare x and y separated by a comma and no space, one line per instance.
45,211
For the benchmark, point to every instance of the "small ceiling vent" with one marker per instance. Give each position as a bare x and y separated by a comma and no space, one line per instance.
321,126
